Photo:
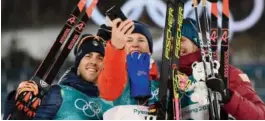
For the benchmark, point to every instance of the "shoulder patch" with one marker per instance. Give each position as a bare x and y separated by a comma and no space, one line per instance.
244,77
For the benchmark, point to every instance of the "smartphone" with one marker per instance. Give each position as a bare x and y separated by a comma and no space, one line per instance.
115,12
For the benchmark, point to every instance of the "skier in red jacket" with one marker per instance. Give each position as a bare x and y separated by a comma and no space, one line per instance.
240,99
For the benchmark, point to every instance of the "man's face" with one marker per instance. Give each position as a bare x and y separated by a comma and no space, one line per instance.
136,42
90,66
187,46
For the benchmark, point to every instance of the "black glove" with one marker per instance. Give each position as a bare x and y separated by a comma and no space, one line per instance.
28,103
28,98
104,32
217,85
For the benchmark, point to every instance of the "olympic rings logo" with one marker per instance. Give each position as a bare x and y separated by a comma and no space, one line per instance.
90,109
156,9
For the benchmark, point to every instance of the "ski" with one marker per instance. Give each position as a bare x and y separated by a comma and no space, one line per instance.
214,46
168,107
76,20
70,44
162,107
224,56
60,40
214,30
206,56
178,17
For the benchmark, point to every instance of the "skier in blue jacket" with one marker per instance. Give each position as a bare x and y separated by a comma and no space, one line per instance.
76,97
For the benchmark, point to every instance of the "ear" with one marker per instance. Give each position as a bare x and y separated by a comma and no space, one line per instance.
78,72
194,64
216,64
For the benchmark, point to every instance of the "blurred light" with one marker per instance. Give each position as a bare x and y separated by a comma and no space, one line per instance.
156,10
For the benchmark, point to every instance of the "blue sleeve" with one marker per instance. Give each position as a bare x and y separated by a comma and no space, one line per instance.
9,104
50,104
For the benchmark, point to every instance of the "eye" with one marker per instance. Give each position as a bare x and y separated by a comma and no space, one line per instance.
100,58
141,40
88,55
129,40
182,40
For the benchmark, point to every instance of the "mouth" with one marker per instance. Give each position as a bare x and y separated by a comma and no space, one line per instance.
200,71
91,69
133,49
182,82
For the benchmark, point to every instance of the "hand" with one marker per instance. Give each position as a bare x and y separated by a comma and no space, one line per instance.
138,72
217,85
27,99
119,32
27,86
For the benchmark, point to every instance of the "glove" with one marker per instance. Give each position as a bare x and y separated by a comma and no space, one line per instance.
27,98
138,72
217,85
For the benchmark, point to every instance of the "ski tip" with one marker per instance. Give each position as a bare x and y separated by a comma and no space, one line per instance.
81,5
195,3
213,1
204,2
226,8
214,9
90,7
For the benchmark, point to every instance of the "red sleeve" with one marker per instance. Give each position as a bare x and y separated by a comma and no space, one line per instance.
113,78
245,103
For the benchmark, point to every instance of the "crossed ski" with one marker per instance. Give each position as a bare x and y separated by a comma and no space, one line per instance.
64,43
169,105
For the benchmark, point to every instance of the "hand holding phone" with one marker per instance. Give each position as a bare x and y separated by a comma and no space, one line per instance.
121,26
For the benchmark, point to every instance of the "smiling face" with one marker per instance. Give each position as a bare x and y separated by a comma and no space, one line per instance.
136,42
187,46
90,66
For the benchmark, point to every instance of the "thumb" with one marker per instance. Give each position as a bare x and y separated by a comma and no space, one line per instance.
146,59
135,55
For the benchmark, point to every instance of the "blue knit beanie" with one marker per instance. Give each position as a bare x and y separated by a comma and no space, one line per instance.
143,29
88,43
189,30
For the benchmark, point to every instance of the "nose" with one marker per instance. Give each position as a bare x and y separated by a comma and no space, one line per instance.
135,45
182,45
93,61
